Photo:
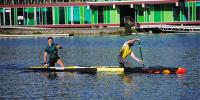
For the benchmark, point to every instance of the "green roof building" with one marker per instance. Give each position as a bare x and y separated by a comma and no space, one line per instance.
98,13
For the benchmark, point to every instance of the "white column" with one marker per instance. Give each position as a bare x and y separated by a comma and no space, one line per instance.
131,5
114,6
53,15
189,13
143,5
35,16
10,16
135,17
46,15
144,14
23,17
88,7
41,9
4,16
65,14
177,4
72,15
16,24
0,19
39,17
27,16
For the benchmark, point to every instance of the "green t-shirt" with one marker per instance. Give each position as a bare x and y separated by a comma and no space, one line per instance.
52,51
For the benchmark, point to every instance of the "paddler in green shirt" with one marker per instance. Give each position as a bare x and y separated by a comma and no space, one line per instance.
126,51
52,51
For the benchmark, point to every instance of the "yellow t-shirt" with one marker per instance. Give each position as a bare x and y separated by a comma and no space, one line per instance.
125,51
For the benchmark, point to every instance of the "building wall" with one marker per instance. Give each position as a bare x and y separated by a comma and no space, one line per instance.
188,11
59,15
68,15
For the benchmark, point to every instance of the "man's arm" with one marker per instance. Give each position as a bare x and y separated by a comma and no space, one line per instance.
45,57
58,46
136,58
132,41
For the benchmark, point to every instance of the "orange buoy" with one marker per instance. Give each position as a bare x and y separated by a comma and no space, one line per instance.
181,70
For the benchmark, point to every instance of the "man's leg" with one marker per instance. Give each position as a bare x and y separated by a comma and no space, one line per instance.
51,63
121,65
121,62
127,64
60,62
124,62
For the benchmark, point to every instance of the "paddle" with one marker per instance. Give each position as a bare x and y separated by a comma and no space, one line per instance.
141,52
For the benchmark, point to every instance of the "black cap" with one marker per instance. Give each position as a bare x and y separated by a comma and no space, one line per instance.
49,38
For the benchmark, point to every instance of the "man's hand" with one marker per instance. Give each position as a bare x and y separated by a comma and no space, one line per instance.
58,46
134,40
137,39
140,61
45,64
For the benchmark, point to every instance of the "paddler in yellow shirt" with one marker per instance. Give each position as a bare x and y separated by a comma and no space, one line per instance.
126,51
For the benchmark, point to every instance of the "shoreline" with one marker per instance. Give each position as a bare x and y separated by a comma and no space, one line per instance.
66,32
61,31
69,35
33,35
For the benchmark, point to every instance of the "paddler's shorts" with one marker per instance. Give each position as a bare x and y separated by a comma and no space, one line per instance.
52,61
122,62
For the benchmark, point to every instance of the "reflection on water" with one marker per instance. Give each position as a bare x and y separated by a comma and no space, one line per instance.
18,54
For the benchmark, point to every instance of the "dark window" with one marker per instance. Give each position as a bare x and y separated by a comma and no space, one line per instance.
44,16
148,11
59,0
12,17
41,17
1,18
190,14
185,12
62,15
176,13
38,16
25,17
66,0
141,13
100,14
7,16
198,13
49,15
20,17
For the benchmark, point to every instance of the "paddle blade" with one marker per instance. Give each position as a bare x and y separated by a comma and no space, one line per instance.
181,70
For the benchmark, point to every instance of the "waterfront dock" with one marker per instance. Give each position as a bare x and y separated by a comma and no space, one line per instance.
35,35
10,31
168,29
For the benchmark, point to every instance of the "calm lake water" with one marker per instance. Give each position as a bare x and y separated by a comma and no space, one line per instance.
171,50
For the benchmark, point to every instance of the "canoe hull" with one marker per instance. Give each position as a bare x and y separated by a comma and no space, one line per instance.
113,69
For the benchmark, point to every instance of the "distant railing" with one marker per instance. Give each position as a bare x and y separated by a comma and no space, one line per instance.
173,28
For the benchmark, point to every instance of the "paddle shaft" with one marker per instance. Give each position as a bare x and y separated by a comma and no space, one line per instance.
141,53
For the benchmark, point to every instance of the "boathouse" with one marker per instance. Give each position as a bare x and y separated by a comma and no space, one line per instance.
98,13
